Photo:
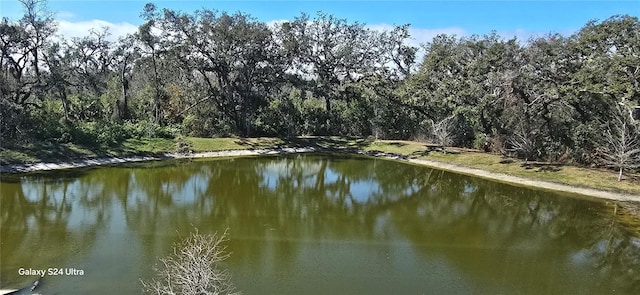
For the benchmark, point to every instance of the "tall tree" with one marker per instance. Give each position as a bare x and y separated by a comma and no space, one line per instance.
22,46
540,107
329,51
124,56
151,45
85,65
432,89
611,52
234,56
61,78
606,58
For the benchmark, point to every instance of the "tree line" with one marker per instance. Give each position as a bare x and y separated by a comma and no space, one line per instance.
209,73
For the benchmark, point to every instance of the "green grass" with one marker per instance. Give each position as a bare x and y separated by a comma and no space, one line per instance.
397,147
9,156
43,152
571,175
594,178
149,146
57,152
329,142
220,144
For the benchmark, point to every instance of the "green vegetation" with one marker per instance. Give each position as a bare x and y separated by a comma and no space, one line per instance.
221,144
148,146
185,79
56,152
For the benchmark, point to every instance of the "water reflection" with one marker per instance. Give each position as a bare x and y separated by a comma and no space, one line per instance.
317,224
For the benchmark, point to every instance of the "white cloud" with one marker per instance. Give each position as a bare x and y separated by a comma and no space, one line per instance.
70,29
276,23
65,15
421,35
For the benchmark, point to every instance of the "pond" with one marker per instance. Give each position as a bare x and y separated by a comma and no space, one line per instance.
313,224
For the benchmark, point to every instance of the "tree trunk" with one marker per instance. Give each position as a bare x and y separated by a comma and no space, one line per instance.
124,111
156,86
124,107
121,107
238,121
620,174
65,104
244,121
327,102
116,116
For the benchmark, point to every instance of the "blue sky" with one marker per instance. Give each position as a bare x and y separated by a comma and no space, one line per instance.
427,17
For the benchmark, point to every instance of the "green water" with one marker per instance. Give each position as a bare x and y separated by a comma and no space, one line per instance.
314,224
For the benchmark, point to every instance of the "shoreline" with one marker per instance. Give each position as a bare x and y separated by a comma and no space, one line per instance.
514,180
101,161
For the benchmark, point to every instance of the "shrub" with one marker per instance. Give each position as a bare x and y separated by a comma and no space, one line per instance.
315,117
442,131
193,268
481,142
274,119
210,125
182,146
97,133
149,129
496,144
191,126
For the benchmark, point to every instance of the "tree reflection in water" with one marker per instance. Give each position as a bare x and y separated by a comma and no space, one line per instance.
284,210
41,215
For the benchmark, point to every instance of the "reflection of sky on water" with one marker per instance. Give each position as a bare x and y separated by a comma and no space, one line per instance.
362,190
358,191
189,192
269,181
580,257
353,191
449,233
64,197
273,171
469,189
635,241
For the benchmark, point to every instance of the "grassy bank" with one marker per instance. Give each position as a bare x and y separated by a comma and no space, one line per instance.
60,152
571,175
565,174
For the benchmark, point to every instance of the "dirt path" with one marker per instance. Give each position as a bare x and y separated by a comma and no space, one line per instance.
594,193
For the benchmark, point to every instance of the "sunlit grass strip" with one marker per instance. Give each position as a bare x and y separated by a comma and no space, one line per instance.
149,145
221,144
571,175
